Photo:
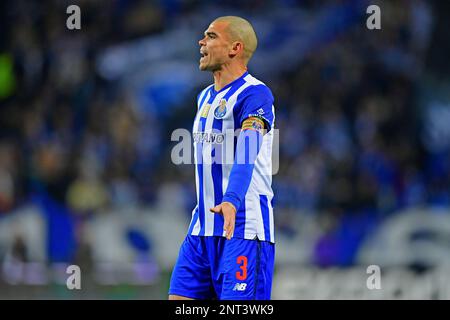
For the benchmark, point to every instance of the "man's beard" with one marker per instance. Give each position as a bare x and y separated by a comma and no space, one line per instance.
210,67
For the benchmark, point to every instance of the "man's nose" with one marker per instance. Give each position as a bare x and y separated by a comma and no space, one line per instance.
201,42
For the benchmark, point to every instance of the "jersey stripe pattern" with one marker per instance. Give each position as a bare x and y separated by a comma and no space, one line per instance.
220,114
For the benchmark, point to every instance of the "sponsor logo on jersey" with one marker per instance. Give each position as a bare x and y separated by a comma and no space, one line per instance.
208,137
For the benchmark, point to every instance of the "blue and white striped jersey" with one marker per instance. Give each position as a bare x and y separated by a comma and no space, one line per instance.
219,115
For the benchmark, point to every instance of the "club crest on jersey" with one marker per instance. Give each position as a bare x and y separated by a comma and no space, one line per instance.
221,110
205,111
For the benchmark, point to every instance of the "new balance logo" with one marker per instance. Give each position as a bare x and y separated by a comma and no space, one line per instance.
240,287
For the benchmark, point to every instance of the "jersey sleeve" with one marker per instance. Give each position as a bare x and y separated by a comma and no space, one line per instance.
258,102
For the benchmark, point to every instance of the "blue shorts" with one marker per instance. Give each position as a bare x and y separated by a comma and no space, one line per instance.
217,268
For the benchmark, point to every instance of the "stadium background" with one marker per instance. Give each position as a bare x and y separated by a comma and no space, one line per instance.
86,118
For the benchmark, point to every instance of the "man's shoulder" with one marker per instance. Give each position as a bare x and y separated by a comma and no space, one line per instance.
203,91
256,88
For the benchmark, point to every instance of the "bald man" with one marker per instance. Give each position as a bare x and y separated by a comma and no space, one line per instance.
228,252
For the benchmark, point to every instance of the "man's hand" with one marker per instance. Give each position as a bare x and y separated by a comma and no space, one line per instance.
229,216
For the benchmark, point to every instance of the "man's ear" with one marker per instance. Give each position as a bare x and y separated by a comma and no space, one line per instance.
236,47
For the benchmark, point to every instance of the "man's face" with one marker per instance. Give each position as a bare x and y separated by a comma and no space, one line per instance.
214,47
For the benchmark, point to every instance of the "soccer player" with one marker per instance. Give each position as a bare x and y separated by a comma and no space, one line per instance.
229,250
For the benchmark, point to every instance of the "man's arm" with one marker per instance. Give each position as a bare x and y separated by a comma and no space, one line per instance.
248,145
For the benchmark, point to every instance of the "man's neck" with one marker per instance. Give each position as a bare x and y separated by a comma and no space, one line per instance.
227,75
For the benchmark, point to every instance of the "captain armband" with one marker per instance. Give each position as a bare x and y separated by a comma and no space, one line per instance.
254,123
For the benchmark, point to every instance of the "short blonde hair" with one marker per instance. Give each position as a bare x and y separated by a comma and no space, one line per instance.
240,29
